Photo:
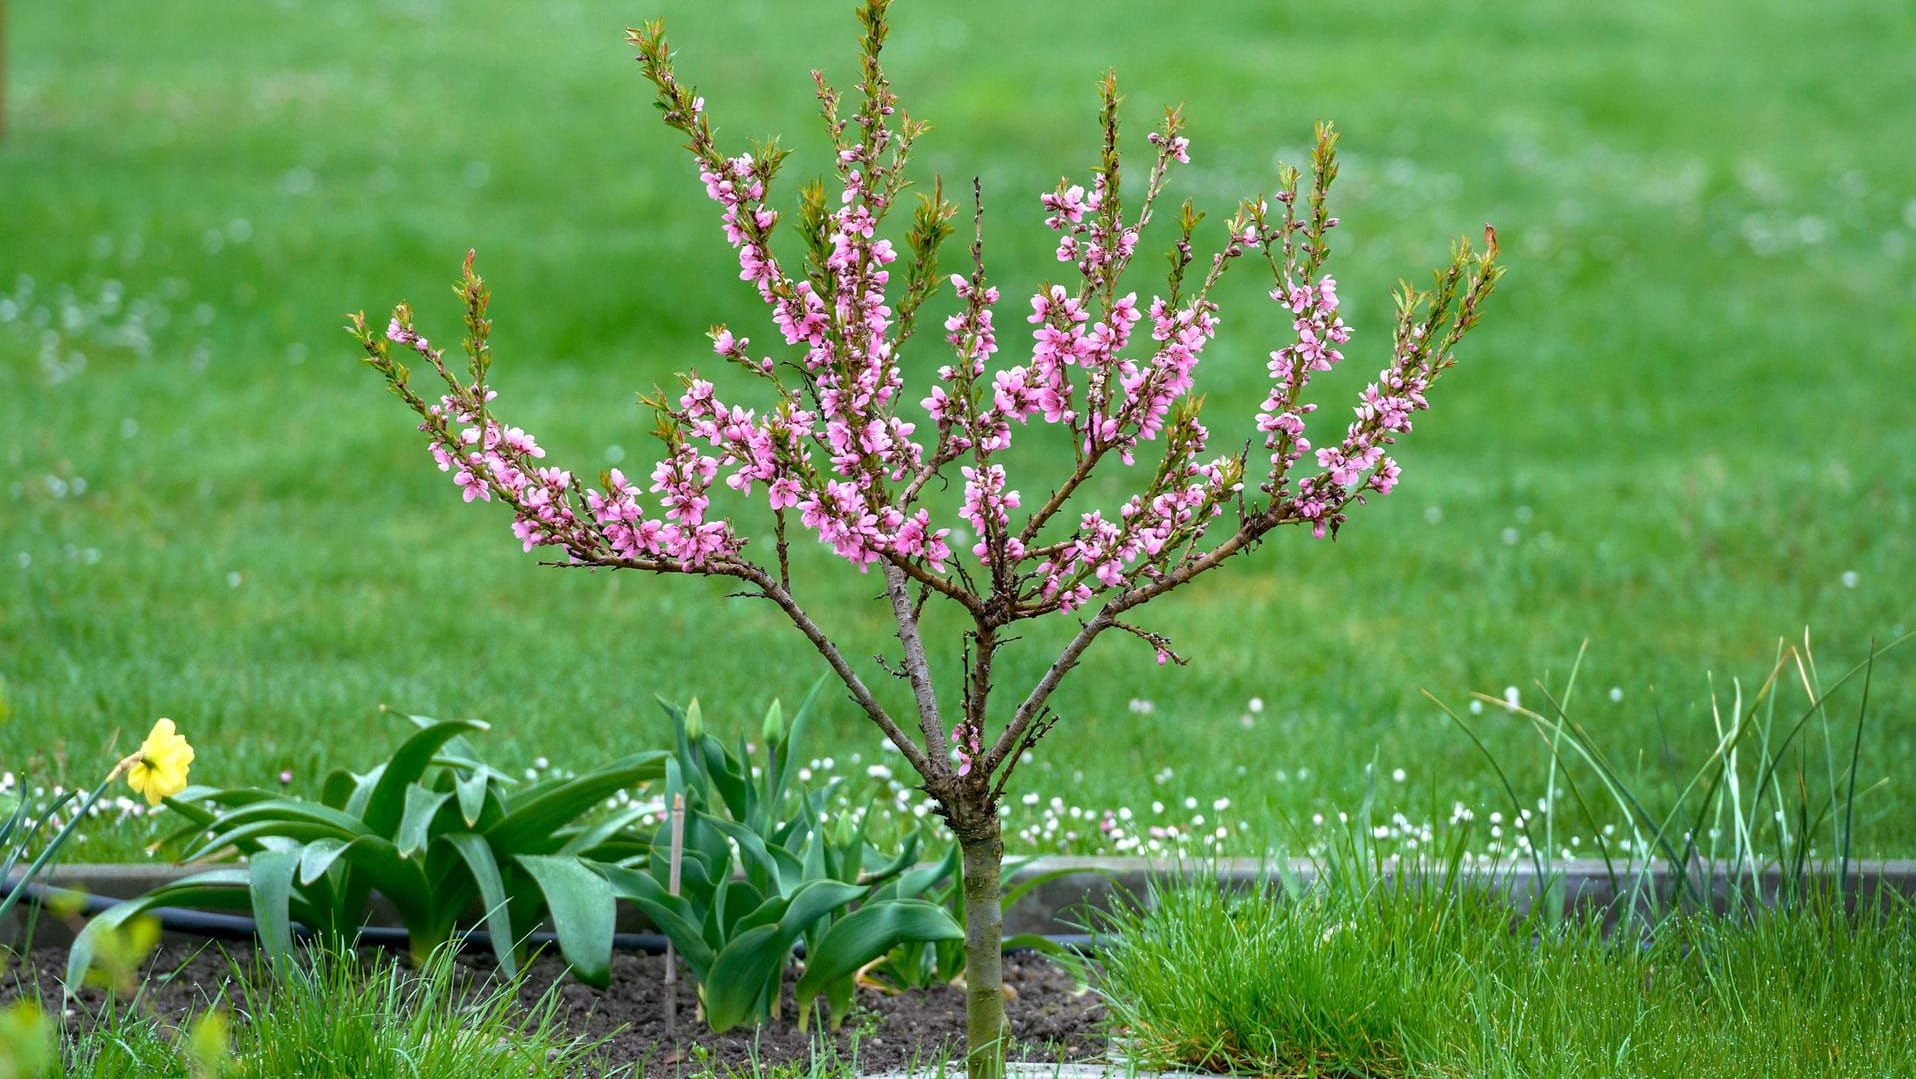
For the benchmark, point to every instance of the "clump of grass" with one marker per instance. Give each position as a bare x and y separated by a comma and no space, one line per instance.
1419,973
120,1043
825,1062
1358,973
1807,991
1208,980
330,1014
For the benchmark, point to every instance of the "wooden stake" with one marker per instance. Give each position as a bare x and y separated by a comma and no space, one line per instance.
3,69
672,887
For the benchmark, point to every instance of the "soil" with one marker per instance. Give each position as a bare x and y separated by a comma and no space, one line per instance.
1052,1018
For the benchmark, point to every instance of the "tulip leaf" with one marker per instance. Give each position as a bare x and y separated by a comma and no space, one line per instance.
726,774
813,900
585,842
913,883
248,838
583,911
794,737
270,877
905,860
387,802
220,889
415,824
317,857
535,821
742,974
763,868
492,891
867,933
337,788
670,914
472,795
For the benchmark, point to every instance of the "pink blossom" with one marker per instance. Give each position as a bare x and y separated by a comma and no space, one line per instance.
829,436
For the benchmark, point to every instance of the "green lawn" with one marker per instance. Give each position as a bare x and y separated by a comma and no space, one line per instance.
1685,431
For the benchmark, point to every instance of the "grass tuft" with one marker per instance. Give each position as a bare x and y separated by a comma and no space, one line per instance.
332,1014
334,1017
1411,976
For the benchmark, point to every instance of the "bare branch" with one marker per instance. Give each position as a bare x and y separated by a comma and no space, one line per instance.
1107,618
964,597
1047,719
784,550
916,666
777,594
1156,640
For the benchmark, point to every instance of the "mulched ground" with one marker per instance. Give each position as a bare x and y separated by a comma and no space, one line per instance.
1051,1018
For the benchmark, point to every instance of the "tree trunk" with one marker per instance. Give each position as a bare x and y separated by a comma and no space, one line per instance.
983,850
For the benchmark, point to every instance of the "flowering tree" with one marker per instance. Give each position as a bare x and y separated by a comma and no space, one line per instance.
856,461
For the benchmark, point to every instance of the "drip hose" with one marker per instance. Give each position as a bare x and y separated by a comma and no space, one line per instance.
217,926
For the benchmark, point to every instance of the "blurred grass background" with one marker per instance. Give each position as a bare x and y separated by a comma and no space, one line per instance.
1685,431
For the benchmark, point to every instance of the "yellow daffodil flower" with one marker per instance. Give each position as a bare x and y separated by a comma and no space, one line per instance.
159,769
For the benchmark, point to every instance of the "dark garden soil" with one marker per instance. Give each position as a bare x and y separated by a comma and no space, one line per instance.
1052,1018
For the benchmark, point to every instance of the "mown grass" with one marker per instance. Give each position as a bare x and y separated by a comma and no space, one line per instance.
1681,434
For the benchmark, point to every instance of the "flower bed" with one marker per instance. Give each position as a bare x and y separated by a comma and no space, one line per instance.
1364,974
1055,1018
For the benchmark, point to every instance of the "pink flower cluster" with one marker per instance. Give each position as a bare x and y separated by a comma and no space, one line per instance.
682,534
1383,411
854,380
966,744
1097,245
835,450
987,509
972,336
1139,542
487,458
1078,376
1319,330
1126,400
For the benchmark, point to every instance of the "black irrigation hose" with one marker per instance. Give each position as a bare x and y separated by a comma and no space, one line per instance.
200,923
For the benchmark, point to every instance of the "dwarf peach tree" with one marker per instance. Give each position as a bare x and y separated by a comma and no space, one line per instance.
846,454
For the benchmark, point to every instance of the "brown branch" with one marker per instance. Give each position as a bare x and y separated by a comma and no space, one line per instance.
771,589
978,676
963,597
1156,640
1062,495
784,550
1106,618
1047,719
875,711
916,668
930,470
